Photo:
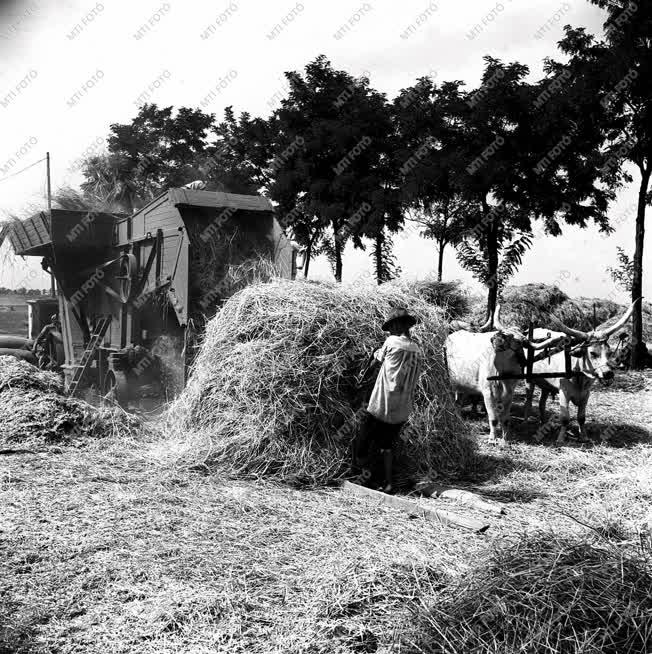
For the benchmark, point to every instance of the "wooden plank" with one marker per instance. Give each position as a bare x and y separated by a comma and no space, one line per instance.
166,233
535,375
412,508
30,232
15,238
192,198
163,213
568,365
530,349
37,222
44,223
25,236
165,221
70,354
157,201
463,497
159,250
34,228
163,206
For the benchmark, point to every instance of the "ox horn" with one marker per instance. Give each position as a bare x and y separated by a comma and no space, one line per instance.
553,340
487,325
605,333
575,333
497,324
457,325
601,335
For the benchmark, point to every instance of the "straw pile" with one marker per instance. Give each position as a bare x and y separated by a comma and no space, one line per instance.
519,303
274,388
546,594
539,301
34,409
215,253
450,296
647,322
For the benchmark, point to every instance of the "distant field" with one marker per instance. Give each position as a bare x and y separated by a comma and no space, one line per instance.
13,315
13,300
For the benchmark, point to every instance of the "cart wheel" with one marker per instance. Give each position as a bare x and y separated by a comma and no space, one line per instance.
116,387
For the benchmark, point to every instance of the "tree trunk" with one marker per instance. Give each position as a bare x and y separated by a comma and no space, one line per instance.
306,261
492,262
338,260
639,350
440,261
442,240
378,257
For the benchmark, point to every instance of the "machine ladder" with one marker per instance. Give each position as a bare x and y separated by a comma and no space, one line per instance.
89,353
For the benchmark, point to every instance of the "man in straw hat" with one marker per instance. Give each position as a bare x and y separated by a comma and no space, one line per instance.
392,398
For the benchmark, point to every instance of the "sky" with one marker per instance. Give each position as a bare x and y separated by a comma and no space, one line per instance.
69,69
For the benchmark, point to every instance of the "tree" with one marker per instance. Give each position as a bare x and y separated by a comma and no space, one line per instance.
519,154
473,254
623,273
620,68
445,222
110,181
465,173
386,267
236,161
425,157
330,160
162,147
488,134
157,150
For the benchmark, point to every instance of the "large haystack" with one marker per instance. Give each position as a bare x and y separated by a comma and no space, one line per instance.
539,301
450,296
520,303
274,385
35,411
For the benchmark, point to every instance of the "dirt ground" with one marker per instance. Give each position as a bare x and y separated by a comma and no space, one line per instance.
111,548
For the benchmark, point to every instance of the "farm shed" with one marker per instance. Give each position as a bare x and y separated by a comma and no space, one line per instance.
133,290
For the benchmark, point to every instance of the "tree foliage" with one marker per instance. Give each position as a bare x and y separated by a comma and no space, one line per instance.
330,170
617,70
444,222
474,169
623,273
158,149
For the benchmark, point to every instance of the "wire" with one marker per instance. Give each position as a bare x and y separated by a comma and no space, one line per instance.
23,170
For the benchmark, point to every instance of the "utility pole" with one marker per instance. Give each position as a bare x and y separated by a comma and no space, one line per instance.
47,166
53,291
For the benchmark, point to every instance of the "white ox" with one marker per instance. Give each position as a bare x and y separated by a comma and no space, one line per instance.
474,355
590,359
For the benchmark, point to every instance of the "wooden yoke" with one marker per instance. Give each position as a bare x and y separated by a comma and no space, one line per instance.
530,350
532,358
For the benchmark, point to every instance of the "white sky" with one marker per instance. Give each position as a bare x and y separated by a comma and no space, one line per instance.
34,36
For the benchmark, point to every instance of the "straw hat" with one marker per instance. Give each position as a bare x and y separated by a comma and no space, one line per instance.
400,313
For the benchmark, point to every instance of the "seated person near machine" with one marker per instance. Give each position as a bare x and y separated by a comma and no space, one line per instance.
49,344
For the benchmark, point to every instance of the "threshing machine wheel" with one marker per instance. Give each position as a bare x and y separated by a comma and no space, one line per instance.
128,269
116,386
